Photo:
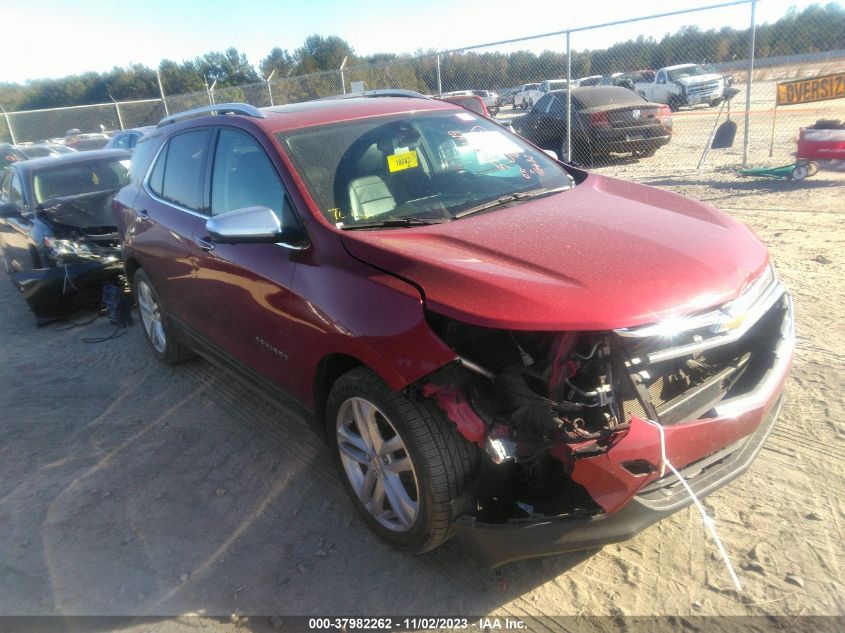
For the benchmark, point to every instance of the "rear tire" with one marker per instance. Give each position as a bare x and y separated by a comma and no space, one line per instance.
406,467
158,328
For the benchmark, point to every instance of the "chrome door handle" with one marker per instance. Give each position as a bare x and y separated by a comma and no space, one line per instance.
143,215
204,244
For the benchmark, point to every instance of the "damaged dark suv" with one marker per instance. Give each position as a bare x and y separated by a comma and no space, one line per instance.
58,240
497,345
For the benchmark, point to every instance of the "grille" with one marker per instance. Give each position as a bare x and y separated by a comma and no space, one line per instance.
685,375
703,88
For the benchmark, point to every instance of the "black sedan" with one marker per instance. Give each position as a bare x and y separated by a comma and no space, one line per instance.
58,239
605,120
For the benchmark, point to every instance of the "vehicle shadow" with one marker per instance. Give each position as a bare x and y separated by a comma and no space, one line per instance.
129,488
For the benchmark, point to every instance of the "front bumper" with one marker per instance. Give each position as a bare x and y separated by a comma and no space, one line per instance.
713,451
52,292
499,544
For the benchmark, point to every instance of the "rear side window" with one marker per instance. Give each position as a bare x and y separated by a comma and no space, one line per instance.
144,151
179,173
558,107
243,175
543,104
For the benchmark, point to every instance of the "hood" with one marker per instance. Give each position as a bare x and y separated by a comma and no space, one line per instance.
604,255
697,79
84,211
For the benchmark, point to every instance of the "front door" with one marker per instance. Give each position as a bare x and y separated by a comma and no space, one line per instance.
241,294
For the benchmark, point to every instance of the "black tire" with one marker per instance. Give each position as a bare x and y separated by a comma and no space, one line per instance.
715,102
444,463
168,350
674,104
581,153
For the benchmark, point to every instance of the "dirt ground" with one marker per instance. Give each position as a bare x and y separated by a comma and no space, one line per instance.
129,488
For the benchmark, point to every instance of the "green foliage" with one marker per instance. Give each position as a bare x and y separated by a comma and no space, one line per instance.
279,61
322,53
814,29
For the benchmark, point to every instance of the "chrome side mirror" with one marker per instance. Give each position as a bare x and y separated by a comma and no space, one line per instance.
246,225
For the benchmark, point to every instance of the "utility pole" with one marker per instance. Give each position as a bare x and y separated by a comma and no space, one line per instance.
439,84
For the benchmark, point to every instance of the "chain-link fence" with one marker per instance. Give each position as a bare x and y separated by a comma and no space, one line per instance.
624,94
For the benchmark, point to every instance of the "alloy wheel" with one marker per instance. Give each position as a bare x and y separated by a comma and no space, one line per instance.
151,317
377,464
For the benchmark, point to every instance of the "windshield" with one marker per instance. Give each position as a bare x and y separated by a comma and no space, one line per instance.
422,166
686,71
80,178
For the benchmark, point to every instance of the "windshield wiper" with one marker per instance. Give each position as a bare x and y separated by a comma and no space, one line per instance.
511,197
393,222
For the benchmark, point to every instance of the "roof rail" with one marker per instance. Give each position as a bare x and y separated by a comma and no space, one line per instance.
220,108
379,92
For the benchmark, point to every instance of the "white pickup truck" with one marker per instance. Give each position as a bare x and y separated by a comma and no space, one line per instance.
528,96
683,85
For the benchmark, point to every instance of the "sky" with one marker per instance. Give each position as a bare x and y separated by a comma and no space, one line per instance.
57,38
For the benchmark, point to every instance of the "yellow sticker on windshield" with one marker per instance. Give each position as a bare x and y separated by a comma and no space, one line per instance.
406,160
95,178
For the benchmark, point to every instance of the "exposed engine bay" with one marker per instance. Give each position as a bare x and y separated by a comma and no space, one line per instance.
540,402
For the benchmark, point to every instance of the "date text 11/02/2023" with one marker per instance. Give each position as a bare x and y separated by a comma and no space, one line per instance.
491,623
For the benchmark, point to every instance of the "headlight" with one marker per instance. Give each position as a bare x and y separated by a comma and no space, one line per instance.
70,250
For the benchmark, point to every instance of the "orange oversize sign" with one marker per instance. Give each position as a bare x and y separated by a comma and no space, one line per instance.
810,90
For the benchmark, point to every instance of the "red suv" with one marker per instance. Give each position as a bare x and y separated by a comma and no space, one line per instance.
497,346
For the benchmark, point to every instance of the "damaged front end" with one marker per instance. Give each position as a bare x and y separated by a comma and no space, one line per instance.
568,421
79,253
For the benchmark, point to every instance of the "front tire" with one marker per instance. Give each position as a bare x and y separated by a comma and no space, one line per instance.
403,461
157,326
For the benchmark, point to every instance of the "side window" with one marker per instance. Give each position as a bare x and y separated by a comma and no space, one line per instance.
543,104
243,176
558,107
125,141
157,176
16,190
141,162
179,172
661,77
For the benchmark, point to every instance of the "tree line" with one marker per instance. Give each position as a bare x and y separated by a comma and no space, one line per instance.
814,29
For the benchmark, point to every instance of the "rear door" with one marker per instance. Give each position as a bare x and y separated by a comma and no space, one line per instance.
168,211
